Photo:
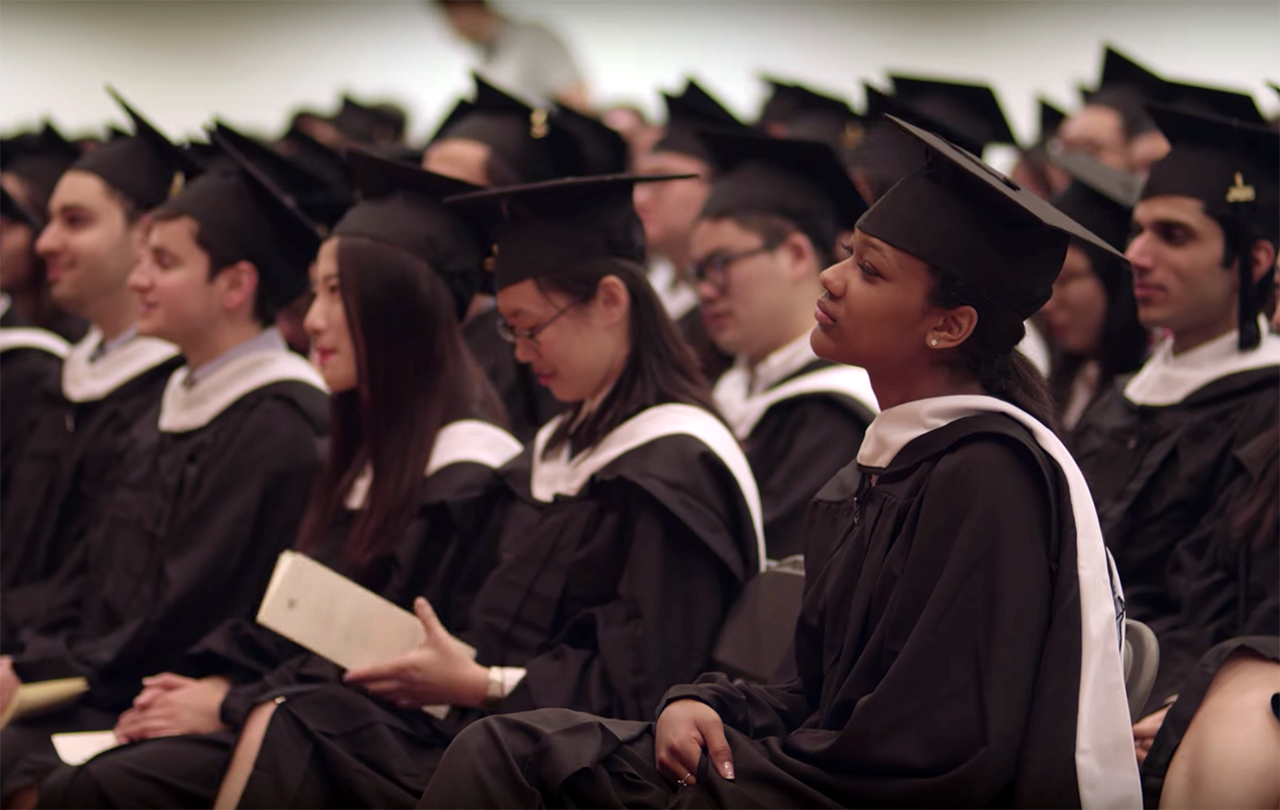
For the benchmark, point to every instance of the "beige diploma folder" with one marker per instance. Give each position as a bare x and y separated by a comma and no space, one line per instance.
334,617
43,696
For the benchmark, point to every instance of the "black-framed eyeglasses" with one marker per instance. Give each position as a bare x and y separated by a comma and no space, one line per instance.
510,334
715,268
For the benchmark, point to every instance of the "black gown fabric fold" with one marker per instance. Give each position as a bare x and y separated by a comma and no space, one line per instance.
928,672
607,598
1157,475
71,464
188,541
30,383
444,554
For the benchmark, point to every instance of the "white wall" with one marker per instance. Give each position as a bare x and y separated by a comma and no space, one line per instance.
252,61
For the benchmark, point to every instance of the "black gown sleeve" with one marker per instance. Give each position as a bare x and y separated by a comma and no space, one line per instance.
618,658
933,702
755,709
218,549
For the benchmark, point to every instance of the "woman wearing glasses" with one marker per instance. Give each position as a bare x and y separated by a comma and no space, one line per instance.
769,227
630,526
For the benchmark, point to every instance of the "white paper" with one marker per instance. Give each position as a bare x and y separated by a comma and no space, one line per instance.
336,618
78,747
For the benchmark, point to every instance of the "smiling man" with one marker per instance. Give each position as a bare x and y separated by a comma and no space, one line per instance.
70,458
1162,447
215,486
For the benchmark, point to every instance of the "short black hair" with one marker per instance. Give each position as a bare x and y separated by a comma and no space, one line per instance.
222,257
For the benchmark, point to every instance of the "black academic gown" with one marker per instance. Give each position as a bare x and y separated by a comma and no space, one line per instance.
30,383
529,405
443,554
795,448
932,671
606,597
1158,474
71,464
189,541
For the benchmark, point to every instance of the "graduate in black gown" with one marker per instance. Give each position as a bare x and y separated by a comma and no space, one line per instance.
30,373
1092,315
500,140
218,473
767,230
958,644
30,165
401,507
670,210
1163,446
110,379
629,527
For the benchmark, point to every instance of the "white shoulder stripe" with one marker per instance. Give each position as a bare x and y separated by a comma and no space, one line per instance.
464,441
473,441
743,411
22,337
184,409
83,381
560,475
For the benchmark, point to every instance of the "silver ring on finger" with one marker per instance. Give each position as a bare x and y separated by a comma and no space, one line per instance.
685,781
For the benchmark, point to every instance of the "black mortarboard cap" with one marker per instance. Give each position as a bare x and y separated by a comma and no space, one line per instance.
524,139
318,199
782,102
1051,118
1233,169
887,152
827,119
403,206
1099,197
145,167
689,113
1125,86
970,111
600,149
965,218
39,158
1202,100
251,219
541,229
369,124
319,159
803,182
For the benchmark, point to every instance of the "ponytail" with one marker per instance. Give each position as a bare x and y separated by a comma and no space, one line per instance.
990,354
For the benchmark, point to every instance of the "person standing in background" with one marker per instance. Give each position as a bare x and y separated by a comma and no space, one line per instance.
525,57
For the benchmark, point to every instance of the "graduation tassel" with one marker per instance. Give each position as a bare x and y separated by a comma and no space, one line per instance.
1241,197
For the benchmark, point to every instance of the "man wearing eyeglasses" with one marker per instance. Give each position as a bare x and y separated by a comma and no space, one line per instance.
769,227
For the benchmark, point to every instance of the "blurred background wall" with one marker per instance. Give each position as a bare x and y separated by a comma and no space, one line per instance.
254,61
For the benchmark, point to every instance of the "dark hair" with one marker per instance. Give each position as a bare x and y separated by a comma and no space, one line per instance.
775,229
990,353
1239,237
415,375
220,258
660,368
1124,341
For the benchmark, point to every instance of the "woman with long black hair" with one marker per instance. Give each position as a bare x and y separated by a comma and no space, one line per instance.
1092,314
400,507
958,643
628,529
